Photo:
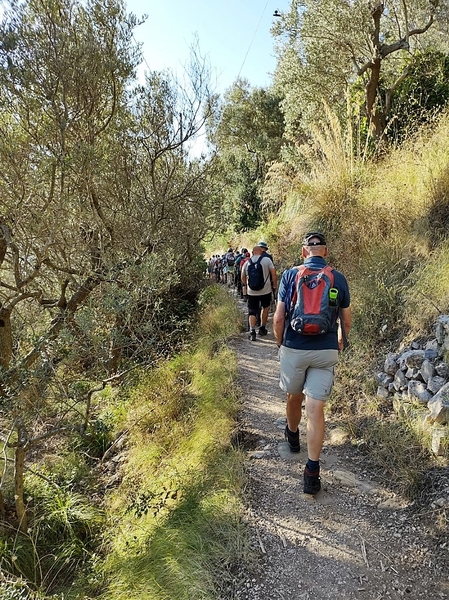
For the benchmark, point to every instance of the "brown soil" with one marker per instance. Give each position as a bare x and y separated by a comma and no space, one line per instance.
356,539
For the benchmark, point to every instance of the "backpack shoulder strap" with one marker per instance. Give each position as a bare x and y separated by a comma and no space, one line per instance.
330,272
297,282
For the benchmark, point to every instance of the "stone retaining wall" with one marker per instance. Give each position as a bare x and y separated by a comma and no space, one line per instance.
417,379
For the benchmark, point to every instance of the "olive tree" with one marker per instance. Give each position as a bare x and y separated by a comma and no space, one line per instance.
247,134
326,46
102,209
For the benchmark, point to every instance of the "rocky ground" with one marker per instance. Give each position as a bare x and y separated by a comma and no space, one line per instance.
355,539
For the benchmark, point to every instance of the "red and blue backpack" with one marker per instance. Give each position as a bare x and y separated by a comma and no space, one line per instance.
314,304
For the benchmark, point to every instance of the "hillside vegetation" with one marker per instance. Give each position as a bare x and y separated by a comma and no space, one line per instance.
387,221
171,520
120,475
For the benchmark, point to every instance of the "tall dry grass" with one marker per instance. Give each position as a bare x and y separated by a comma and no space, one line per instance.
387,222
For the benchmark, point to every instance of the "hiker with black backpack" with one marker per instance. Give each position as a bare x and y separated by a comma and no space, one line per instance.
258,275
229,267
264,247
311,324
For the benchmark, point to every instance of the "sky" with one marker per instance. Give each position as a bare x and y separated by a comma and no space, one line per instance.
233,35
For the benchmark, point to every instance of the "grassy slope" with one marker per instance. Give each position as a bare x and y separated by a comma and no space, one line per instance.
174,521
388,226
387,223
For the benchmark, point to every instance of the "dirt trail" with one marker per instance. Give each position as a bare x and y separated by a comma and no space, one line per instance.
354,540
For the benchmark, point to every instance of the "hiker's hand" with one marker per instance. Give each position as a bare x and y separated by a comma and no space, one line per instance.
342,344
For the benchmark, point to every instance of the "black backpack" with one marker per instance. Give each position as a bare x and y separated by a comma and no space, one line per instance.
230,260
256,280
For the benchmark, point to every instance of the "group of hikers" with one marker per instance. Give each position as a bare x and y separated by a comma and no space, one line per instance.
311,323
226,268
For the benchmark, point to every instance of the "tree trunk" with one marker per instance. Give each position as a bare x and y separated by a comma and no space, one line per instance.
2,506
19,488
5,338
375,115
115,351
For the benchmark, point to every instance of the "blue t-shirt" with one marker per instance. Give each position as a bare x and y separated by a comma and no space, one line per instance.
324,341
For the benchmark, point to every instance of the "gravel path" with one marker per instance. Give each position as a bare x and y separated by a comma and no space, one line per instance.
354,540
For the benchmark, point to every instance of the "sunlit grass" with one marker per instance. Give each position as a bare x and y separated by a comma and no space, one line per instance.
175,521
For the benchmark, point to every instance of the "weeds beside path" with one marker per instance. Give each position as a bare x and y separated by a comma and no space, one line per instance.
354,540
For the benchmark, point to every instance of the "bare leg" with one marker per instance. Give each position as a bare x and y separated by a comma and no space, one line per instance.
315,427
264,317
294,410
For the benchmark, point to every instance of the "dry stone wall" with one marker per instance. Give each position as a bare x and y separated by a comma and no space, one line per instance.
416,378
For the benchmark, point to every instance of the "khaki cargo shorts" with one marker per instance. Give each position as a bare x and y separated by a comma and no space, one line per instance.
308,371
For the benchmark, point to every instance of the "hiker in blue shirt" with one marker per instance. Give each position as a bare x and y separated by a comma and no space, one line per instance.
307,361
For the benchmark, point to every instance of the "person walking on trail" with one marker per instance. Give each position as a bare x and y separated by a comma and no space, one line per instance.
264,247
238,280
307,361
217,268
245,259
229,261
256,274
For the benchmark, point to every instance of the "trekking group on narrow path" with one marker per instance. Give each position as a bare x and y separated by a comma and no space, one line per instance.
311,324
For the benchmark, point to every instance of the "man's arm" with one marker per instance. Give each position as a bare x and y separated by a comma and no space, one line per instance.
274,279
279,322
243,273
344,327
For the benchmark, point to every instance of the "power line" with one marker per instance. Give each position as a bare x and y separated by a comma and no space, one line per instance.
251,43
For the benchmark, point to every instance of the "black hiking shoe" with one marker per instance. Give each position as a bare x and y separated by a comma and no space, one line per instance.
292,439
312,482
263,330
252,336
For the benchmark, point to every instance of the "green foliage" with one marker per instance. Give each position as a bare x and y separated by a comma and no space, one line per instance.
101,265
109,252
58,542
112,186
15,590
424,90
96,440
324,47
247,134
